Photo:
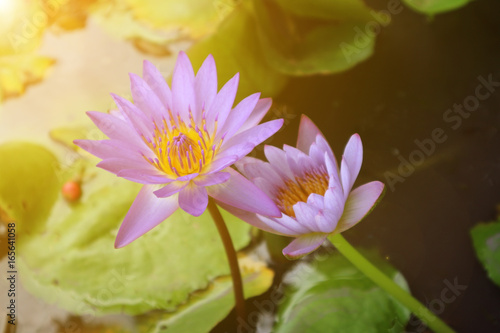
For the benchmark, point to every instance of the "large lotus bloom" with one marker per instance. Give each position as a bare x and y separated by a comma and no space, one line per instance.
180,144
314,196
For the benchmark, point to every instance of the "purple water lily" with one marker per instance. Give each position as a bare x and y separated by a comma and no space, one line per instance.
311,191
180,143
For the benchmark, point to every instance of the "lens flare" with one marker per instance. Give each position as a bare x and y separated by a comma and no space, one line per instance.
8,11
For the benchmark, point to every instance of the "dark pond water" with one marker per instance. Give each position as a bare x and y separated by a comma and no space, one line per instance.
419,70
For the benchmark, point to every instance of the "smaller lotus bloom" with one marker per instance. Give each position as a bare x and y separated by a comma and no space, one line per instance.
180,143
314,195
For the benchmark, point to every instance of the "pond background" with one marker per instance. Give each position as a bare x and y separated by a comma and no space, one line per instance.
420,68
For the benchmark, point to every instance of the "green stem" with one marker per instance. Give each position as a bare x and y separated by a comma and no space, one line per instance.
231,258
372,272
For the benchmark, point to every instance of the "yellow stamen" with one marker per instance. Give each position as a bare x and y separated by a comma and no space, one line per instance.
181,149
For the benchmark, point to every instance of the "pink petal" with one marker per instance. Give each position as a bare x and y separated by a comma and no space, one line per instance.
116,165
345,176
222,103
284,225
315,218
304,245
157,83
212,179
253,219
205,85
141,123
241,193
305,215
323,145
257,114
221,162
116,129
183,96
170,189
326,221
359,203
316,200
113,149
334,201
333,171
146,212
278,159
253,168
104,148
351,163
193,199
265,185
307,134
241,144
145,99
144,176
239,115
299,162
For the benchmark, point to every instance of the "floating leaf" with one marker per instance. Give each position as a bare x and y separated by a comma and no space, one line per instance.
71,14
432,7
486,240
81,271
119,21
19,71
29,185
194,18
314,37
236,48
66,135
21,29
211,305
333,295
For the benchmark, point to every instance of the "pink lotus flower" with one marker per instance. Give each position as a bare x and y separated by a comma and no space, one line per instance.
180,144
314,196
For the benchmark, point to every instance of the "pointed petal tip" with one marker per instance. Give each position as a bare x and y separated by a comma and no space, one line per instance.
210,58
133,77
304,118
119,244
307,133
147,63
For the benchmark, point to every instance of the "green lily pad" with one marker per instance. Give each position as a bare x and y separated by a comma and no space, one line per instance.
236,48
80,270
486,240
432,7
209,306
179,267
314,37
332,295
29,185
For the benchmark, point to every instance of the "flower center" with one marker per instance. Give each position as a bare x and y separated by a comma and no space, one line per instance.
299,189
181,148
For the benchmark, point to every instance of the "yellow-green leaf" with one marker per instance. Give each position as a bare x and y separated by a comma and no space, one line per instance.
207,307
432,7
29,185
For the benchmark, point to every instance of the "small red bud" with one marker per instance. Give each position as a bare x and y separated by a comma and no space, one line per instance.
71,191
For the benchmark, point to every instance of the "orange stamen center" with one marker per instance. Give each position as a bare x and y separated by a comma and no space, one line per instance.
299,189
